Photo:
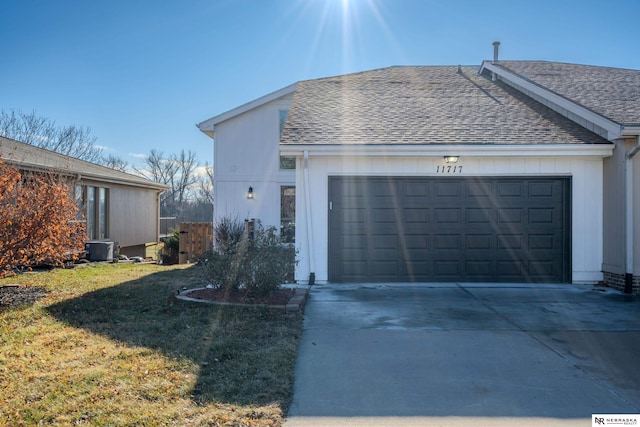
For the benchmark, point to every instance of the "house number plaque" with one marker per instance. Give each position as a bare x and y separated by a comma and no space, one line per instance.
449,169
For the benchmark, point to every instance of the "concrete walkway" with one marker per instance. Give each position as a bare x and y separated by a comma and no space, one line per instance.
466,355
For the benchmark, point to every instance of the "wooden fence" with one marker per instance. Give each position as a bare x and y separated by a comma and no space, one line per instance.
195,239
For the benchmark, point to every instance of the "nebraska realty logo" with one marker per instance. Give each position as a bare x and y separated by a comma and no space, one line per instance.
615,420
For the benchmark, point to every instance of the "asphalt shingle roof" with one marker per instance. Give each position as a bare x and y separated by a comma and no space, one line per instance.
423,105
29,156
613,93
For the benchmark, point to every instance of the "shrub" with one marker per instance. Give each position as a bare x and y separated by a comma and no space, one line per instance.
255,266
38,223
228,233
170,250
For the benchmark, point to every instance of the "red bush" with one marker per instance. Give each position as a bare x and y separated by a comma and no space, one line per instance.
37,221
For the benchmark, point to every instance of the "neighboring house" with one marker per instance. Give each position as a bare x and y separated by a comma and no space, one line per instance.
117,206
606,101
514,171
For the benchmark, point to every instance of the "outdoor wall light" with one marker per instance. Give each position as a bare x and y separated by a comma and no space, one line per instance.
250,193
451,159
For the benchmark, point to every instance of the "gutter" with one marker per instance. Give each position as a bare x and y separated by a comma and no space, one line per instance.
307,200
629,264
437,150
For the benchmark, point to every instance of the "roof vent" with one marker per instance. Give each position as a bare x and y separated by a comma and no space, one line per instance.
496,45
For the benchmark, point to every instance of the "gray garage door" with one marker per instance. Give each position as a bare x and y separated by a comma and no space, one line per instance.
414,229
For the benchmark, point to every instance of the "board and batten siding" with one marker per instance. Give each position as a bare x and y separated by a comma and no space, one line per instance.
246,155
586,174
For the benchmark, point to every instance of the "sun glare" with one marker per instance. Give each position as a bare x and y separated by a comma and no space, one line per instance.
351,28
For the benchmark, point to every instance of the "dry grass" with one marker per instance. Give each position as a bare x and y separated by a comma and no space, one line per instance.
109,345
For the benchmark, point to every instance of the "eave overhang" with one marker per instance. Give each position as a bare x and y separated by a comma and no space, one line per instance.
614,130
36,168
208,126
434,150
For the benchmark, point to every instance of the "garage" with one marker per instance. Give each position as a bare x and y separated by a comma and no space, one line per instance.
449,229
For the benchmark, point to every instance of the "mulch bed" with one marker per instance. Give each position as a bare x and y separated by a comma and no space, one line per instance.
280,297
18,294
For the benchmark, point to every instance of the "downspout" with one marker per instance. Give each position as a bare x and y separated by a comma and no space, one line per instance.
628,277
307,200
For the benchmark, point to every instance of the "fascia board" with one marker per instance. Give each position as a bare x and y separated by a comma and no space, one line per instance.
614,130
149,185
404,150
208,125
631,131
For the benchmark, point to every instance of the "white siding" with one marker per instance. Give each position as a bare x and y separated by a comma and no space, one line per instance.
587,196
636,214
246,154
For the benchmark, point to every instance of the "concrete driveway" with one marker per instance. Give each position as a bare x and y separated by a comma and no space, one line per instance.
466,354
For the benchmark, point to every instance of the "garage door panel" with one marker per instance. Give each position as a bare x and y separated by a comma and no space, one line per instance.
418,271
447,269
354,269
479,270
382,241
416,190
447,242
541,268
478,215
476,190
510,268
385,215
354,241
543,242
541,215
509,189
386,268
416,241
542,189
510,215
416,215
447,189
509,242
383,188
478,242
353,215
447,215
500,229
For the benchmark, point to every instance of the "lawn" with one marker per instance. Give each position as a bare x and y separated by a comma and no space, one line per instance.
108,344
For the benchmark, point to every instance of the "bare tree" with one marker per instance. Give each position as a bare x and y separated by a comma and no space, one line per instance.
204,192
176,171
115,162
157,168
42,132
186,178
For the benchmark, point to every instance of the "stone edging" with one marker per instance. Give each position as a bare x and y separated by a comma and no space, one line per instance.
296,302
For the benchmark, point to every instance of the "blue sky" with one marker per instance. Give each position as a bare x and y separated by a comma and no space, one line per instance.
142,73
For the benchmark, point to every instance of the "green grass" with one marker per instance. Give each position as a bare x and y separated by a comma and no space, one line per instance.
110,345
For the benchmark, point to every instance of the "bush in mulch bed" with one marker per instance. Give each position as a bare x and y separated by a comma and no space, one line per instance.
251,263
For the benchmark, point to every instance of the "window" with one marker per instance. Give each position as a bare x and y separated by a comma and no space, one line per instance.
91,212
286,163
102,213
79,196
283,119
288,214
97,200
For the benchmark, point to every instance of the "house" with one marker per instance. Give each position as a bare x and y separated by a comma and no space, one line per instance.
511,171
117,206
